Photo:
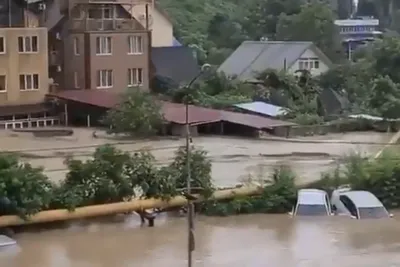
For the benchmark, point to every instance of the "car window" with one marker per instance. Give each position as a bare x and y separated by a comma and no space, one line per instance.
349,205
311,210
374,212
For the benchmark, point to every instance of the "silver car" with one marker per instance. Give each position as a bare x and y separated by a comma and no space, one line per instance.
312,202
358,204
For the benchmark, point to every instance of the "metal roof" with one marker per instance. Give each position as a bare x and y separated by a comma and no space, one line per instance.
363,199
184,65
311,197
174,112
262,108
6,241
253,57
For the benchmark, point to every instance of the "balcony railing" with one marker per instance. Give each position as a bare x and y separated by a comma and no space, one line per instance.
122,2
104,25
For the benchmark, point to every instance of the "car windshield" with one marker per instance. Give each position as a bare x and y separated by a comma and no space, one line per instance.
374,212
311,210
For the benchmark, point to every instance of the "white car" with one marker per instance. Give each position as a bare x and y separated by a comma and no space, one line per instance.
5,241
312,202
358,204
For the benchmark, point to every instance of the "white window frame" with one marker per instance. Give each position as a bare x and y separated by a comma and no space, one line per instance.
29,76
135,77
76,80
5,83
104,82
103,45
135,45
76,46
24,42
308,63
3,39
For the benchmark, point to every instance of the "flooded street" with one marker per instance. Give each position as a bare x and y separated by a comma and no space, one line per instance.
238,241
242,241
233,159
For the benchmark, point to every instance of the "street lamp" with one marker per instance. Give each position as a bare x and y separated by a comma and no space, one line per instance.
190,210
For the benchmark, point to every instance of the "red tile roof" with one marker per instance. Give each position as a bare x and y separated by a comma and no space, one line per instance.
174,112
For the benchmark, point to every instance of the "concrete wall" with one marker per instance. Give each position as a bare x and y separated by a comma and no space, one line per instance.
160,26
13,63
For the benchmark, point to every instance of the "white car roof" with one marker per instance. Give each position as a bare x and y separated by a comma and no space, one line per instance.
363,199
311,197
6,241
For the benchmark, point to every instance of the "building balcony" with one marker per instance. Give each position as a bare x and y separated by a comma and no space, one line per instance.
127,25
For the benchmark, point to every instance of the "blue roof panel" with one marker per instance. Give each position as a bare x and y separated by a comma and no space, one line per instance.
262,108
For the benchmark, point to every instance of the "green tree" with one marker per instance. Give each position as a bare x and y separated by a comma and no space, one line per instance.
315,22
24,190
262,16
200,170
385,97
139,114
103,179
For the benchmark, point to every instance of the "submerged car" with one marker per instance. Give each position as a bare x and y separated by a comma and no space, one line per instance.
6,241
358,204
312,202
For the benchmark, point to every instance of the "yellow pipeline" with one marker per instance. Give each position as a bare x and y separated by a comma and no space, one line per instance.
121,207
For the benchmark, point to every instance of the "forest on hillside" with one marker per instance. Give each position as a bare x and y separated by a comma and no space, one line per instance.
216,27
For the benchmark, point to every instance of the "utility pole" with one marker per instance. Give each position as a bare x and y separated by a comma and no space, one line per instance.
190,210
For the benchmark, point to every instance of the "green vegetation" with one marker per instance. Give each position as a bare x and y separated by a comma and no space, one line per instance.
216,28
370,81
380,176
110,176
137,115
115,176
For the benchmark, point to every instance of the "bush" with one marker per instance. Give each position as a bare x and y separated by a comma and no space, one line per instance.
277,197
110,176
24,190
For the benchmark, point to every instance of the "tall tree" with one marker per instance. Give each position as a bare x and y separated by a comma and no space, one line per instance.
138,114
315,23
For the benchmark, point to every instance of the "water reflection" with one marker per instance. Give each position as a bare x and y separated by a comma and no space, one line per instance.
254,240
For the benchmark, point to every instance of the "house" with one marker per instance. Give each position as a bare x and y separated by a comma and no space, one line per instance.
160,25
97,45
253,57
183,68
356,32
24,78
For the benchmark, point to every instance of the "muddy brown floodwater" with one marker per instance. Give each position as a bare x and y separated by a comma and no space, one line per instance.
239,241
233,159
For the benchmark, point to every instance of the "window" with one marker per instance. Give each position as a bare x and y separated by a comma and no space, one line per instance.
2,45
28,82
308,63
27,44
135,77
103,46
101,13
373,212
135,45
3,85
104,78
76,46
311,210
76,80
